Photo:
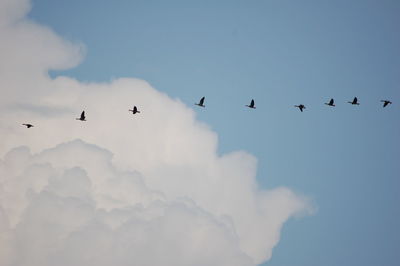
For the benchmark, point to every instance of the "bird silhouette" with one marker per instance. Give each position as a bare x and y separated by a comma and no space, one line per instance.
134,110
301,107
28,125
354,102
386,103
83,117
251,104
331,103
201,103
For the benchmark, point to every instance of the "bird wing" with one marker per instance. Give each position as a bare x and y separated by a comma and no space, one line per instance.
252,103
385,103
355,100
134,109
202,101
83,115
331,102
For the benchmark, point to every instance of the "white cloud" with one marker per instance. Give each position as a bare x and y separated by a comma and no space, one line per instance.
118,189
89,216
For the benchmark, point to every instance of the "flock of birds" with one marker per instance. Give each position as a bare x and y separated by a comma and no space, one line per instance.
354,102
302,106
251,105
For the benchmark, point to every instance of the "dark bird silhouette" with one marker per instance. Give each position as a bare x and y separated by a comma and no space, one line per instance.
386,103
251,104
301,107
201,103
134,110
354,102
28,125
331,103
83,117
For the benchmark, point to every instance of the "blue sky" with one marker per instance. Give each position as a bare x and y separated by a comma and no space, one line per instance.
280,53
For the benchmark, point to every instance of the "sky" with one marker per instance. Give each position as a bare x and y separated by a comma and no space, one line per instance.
281,187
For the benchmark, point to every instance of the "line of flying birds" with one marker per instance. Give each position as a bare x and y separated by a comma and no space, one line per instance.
251,105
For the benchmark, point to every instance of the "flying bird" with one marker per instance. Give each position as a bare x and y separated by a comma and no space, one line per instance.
301,107
201,103
134,110
251,104
82,118
28,125
331,103
355,101
386,103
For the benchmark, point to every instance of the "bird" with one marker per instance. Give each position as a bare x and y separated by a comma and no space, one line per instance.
28,125
301,107
134,110
82,118
331,103
354,102
251,104
201,103
386,102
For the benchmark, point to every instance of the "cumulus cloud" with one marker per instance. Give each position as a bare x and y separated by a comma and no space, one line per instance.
118,189
64,210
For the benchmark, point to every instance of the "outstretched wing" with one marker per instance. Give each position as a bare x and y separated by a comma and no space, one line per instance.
83,115
331,102
202,101
355,100
252,103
